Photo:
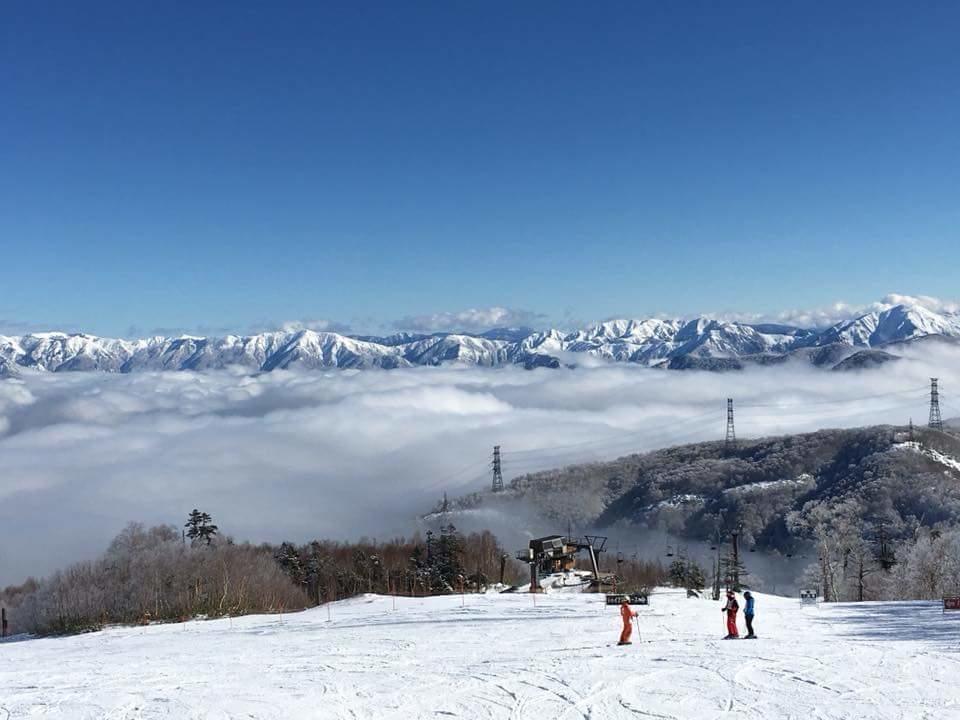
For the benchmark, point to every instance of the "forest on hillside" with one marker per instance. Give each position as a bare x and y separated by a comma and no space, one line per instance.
867,497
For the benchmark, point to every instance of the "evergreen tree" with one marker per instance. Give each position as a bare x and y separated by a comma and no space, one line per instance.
200,527
695,579
686,574
445,563
288,558
678,573
733,572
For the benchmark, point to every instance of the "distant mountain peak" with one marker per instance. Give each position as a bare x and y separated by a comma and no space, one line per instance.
692,343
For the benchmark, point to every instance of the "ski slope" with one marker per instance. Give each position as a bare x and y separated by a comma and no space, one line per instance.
499,656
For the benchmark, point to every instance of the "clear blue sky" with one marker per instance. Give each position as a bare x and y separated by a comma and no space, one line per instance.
164,165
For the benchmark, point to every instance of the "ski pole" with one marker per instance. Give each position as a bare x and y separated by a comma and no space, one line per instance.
637,621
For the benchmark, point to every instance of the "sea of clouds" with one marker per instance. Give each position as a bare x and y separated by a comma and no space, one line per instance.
343,454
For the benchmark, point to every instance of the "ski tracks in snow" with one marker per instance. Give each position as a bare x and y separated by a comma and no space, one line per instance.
498,658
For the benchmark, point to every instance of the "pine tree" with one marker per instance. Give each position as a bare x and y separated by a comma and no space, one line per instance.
446,560
686,574
200,527
678,573
733,572
289,559
695,579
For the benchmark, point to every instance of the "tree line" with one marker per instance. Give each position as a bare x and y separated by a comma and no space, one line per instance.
442,562
165,573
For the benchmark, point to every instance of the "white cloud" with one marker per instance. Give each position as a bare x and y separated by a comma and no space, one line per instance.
315,325
294,455
924,301
840,311
473,320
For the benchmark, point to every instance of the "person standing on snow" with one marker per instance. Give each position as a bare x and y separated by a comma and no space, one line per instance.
627,615
730,608
748,615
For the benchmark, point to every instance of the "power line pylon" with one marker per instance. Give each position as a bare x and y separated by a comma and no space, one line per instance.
497,473
935,421
731,441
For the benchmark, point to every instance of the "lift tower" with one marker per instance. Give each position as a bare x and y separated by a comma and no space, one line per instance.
935,421
497,473
731,442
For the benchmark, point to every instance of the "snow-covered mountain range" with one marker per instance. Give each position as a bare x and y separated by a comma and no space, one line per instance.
699,343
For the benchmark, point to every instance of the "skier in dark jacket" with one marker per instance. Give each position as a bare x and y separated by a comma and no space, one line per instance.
748,615
730,608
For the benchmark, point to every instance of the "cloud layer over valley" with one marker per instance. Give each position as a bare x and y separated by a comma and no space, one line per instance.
295,455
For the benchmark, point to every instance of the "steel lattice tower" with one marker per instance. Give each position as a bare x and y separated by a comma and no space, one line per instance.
497,473
935,421
731,432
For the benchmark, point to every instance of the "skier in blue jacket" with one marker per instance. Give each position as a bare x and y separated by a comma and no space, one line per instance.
748,615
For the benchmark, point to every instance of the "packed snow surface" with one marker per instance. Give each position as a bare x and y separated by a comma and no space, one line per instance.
501,656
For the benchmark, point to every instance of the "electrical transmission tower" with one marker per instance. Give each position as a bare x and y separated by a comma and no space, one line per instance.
731,442
497,473
935,421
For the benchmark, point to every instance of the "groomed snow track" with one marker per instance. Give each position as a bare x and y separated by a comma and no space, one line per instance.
500,657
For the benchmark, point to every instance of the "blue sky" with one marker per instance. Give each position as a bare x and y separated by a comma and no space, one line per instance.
239,165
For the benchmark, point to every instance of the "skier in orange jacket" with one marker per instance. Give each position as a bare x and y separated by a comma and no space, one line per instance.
627,615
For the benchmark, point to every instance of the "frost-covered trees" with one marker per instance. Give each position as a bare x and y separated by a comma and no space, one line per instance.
149,574
329,570
857,495
849,553
928,567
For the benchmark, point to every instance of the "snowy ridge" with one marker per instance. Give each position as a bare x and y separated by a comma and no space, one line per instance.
936,456
677,501
801,480
703,343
